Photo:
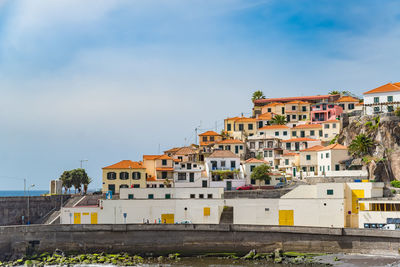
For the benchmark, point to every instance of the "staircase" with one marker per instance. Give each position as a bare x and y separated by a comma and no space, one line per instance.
227,216
54,218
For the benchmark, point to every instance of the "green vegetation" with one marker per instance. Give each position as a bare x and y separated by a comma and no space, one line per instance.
258,95
374,124
261,173
225,174
278,120
361,146
225,135
75,178
395,183
334,140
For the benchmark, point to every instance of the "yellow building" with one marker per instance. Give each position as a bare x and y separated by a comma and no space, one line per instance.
159,169
209,138
348,103
240,127
275,108
124,174
297,111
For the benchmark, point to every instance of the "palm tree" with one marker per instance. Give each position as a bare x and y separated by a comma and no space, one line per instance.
361,145
258,95
334,92
225,135
86,181
279,120
66,180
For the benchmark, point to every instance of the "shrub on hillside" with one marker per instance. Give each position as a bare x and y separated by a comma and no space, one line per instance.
395,183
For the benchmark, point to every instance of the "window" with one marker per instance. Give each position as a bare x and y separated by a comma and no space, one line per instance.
191,177
111,176
293,117
136,186
311,169
252,168
322,156
343,106
376,99
304,108
351,106
327,155
337,167
212,139
293,107
161,186
270,153
164,175
189,166
150,196
167,196
130,196
269,109
276,133
181,176
326,125
286,162
233,164
302,133
334,125
320,133
328,168
288,146
376,109
294,133
228,127
136,175
164,162
240,127
326,135
204,138
209,196
252,145
265,153
241,147
201,195
223,163
390,98
390,109
252,181
304,169
228,147
284,133
192,196
123,186
250,126
329,192
308,157
123,176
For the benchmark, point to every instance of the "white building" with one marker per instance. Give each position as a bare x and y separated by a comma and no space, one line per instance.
385,98
224,170
171,193
309,161
378,212
265,146
297,144
189,174
278,131
329,159
330,129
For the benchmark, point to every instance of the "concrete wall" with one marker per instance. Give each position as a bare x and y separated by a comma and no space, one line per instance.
13,208
193,239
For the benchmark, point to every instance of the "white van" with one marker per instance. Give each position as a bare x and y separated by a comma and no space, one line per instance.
389,227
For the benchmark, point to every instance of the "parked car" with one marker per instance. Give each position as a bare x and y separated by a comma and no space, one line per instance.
245,187
186,222
279,185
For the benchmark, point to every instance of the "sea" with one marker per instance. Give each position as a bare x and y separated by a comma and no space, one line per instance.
19,193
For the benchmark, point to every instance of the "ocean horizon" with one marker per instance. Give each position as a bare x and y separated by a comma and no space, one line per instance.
18,193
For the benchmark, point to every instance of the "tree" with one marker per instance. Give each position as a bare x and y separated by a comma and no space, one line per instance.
66,180
279,119
86,181
334,92
261,173
258,95
225,135
361,146
78,177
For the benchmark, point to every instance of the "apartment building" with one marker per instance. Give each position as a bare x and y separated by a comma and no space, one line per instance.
234,145
324,112
309,161
159,169
383,99
296,111
348,104
300,143
278,131
313,131
240,127
330,129
329,159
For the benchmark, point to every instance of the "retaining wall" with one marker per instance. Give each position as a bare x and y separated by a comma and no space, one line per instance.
192,239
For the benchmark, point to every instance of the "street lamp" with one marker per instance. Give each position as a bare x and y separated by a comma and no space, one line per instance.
29,218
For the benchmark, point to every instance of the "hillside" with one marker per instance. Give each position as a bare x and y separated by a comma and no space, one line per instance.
384,162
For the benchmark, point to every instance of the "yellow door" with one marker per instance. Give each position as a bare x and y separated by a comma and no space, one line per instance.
77,218
167,218
355,195
286,217
93,218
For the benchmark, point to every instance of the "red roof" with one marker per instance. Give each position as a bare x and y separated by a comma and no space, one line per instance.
301,139
287,99
153,157
347,99
334,147
164,169
390,87
230,141
313,148
126,164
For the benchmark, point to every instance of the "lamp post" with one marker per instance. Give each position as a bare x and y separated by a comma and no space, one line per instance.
29,218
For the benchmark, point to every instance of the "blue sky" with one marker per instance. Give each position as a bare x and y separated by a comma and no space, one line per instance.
107,80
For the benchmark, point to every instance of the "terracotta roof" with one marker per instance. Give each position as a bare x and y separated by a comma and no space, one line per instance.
185,151
297,102
301,139
209,133
390,87
223,154
287,99
313,148
164,169
289,154
306,126
151,178
334,147
153,157
126,164
271,127
274,104
254,160
265,116
244,119
232,118
347,99
230,141
172,150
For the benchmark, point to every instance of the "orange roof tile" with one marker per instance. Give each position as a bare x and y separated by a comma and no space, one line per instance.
307,126
274,104
154,157
151,179
347,99
208,133
244,119
390,87
301,139
126,164
230,141
271,127
185,151
172,150
290,154
254,160
313,148
232,118
223,154
334,147
265,116
297,102
165,169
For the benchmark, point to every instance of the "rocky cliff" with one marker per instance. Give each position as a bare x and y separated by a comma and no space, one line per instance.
384,162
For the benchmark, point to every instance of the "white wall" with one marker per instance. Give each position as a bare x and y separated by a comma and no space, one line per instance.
159,193
369,99
254,211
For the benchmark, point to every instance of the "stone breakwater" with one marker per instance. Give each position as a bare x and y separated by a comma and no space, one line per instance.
191,240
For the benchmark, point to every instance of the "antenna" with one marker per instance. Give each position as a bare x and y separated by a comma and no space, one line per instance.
159,149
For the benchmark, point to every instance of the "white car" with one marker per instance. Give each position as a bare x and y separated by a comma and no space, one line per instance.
186,222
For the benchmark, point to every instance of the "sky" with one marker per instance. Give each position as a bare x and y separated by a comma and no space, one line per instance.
108,80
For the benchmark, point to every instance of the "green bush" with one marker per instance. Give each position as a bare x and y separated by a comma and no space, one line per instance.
397,112
395,183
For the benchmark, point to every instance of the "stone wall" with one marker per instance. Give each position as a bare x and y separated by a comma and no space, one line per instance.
190,240
13,208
